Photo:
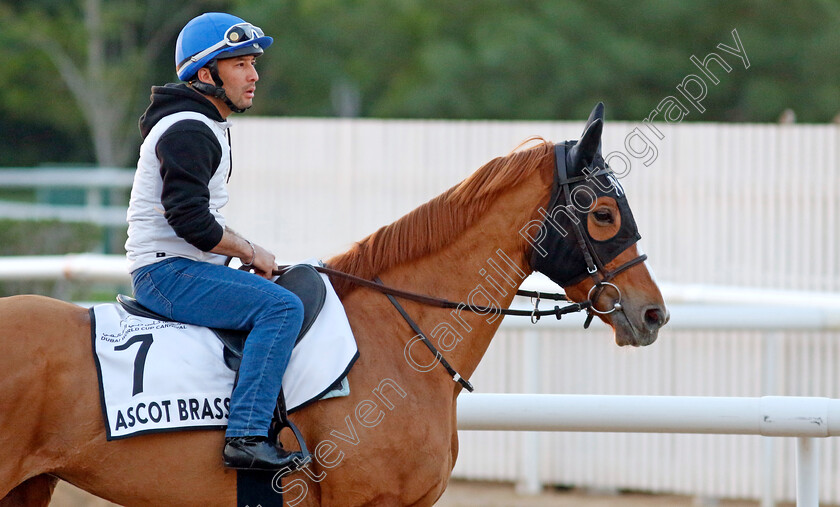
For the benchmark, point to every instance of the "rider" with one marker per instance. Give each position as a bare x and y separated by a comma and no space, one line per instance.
177,238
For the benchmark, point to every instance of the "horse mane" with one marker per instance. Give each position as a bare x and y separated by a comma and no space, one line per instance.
432,225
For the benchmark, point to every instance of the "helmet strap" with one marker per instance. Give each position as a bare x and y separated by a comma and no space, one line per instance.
215,90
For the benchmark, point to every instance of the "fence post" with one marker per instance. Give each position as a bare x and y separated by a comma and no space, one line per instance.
529,451
772,346
807,472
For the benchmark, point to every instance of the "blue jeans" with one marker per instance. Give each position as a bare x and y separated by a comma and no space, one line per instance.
218,296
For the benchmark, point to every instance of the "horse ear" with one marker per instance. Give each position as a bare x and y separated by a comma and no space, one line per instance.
596,114
583,153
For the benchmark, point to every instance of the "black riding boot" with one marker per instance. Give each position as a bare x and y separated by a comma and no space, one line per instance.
257,453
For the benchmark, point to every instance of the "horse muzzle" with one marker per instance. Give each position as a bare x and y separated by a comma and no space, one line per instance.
640,327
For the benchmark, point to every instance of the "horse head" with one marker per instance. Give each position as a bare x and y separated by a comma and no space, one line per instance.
587,242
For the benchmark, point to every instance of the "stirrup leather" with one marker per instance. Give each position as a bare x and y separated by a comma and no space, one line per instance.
281,420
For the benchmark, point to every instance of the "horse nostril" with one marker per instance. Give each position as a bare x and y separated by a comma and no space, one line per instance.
654,318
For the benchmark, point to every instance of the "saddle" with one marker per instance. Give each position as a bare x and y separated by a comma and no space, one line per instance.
301,279
306,284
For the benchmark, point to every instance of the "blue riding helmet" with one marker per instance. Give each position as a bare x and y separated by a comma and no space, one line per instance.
215,35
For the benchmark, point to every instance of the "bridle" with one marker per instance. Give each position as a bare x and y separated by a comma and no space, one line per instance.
595,268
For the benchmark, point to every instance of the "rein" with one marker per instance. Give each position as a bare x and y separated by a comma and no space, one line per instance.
392,293
535,314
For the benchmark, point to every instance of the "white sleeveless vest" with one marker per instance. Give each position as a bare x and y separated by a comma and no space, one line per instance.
150,237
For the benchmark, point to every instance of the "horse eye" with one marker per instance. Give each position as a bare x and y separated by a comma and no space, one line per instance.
604,216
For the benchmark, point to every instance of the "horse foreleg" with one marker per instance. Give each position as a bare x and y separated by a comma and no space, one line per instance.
33,492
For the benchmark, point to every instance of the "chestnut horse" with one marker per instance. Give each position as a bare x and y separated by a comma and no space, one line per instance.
393,440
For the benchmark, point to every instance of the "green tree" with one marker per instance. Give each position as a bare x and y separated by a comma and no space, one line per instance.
544,59
105,53
94,61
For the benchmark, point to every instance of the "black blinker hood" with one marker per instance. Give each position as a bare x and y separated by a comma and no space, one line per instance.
563,250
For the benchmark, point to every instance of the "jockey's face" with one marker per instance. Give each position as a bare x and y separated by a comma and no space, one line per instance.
240,77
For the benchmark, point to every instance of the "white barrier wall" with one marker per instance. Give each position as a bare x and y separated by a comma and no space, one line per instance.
742,205
752,205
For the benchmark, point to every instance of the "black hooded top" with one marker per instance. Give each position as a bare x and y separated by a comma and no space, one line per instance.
189,155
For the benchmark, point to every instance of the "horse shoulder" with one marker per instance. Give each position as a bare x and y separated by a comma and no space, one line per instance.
386,431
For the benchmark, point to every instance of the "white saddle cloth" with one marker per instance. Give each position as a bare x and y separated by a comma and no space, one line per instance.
164,376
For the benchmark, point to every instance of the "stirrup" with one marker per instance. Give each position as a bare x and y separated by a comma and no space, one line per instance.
281,420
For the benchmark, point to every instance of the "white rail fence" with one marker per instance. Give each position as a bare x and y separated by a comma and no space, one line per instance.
95,183
84,267
776,416
705,351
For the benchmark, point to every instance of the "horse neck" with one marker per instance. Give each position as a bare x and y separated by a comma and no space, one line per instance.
483,266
